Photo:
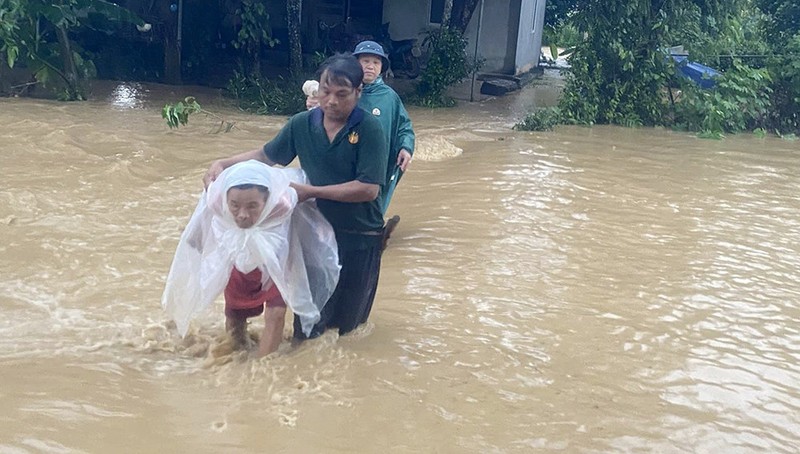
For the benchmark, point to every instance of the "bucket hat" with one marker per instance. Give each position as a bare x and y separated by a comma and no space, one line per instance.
372,48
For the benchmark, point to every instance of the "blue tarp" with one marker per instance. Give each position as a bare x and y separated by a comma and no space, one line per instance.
701,74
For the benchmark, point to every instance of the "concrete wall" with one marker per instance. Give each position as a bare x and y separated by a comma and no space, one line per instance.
510,30
529,38
498,34
407,18
497,38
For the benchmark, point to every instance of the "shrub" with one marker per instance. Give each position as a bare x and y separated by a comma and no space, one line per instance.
739,101
448,64
785,72
278,96
563,35
540,120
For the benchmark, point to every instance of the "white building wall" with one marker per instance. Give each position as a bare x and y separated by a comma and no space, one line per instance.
509,40
529,40
498,35
497,39
407,18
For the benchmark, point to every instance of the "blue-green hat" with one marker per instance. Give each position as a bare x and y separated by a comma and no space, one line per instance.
372,48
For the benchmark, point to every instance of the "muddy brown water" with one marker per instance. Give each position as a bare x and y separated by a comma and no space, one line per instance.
584,290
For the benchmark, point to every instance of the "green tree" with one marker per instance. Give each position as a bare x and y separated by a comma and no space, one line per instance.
36,32
11,14
739,101
782,19
558,11
559,32
782,25
461,13
254,33
295,46
620,70
448,64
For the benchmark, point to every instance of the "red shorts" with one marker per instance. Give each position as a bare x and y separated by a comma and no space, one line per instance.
244,296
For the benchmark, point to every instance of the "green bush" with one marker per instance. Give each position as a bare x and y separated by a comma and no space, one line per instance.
254,33
785,73
562,35
739,101
540,120
448,64
277,96
714,41
617,74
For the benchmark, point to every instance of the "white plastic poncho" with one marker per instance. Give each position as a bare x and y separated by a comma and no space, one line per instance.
293,245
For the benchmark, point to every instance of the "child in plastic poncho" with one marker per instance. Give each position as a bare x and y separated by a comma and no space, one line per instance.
311,90
249,238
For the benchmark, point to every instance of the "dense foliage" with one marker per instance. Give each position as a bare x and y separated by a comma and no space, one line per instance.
37,33
618,71
254,33
278,95
559,30
544,119
782,22
782,28
622,73
448,64
738,102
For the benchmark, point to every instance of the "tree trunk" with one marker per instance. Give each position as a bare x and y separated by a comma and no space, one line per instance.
462,14
255,60
70,73
172,56
448,11
172,59
295,47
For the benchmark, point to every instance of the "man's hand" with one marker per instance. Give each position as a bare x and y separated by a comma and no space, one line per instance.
303,191
213,172
403,159
219,165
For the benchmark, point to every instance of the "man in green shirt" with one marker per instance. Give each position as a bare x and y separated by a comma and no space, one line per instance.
343,151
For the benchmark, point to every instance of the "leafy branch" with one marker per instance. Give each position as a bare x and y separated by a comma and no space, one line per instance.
178,114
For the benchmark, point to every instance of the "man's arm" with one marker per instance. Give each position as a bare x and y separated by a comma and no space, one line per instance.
353,192
219,165
280,142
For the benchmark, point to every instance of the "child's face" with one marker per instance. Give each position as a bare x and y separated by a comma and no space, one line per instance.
246,205
372,65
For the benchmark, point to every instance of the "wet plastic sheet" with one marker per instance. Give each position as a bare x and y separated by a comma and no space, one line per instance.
293,246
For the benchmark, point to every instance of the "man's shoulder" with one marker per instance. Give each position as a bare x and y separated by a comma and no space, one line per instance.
368,121
301,124
300,117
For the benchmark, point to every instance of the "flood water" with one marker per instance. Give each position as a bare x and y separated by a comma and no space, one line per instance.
585,290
